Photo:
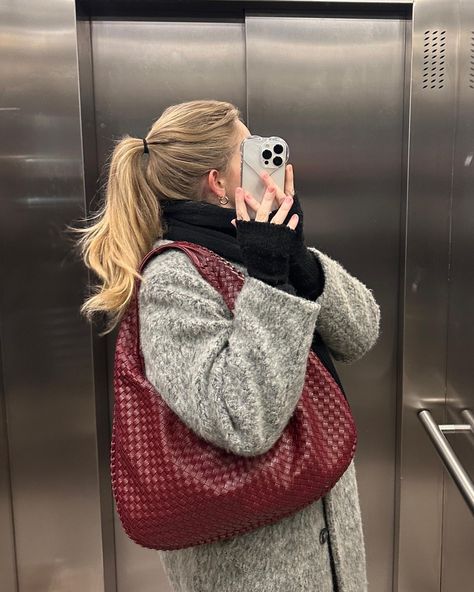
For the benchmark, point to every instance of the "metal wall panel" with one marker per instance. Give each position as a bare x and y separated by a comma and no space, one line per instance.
7,535
457,570
343,81
322,81
46,354
425,315
345,117
166,61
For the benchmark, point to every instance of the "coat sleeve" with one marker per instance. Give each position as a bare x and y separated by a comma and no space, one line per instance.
234,378
349,319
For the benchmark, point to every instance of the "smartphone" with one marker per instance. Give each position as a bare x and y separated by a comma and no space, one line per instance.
258,154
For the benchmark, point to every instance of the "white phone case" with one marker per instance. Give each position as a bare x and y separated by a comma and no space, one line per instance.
260,154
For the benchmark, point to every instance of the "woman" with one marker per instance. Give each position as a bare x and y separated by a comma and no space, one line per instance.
234,379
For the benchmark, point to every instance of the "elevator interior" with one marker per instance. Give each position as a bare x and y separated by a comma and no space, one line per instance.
376,102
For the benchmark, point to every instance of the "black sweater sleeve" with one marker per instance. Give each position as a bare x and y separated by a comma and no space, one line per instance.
266,251
306,274
305,271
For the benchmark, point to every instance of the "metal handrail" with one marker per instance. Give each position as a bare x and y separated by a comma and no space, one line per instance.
447,454
469,417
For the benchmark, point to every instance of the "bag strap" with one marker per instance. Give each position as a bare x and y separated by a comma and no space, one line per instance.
191,249
216,270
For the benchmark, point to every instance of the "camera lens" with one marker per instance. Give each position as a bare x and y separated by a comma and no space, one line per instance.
278,148
267,154
277,161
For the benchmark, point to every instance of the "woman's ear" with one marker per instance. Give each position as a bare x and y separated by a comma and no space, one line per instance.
215,181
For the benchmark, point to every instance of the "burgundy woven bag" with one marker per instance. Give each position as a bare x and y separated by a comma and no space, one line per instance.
173,489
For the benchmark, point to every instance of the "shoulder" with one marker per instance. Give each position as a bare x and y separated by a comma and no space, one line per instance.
170,267
175,264
167,261
172,277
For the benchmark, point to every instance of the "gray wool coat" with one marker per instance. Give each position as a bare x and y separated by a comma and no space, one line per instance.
202,360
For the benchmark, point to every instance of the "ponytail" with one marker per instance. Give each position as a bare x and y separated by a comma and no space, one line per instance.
129,222
183,145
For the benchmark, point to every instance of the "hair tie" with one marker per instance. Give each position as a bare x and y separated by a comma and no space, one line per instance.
145,146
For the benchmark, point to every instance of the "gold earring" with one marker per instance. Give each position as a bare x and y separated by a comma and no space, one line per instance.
223,197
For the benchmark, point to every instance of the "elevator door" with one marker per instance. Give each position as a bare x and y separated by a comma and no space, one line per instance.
334,88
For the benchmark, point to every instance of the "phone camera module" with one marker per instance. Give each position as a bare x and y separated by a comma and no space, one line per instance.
278,148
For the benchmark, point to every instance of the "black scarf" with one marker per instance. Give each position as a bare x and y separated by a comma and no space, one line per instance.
209,225
205,224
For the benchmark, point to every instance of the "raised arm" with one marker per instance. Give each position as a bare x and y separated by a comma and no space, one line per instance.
349,319
233,378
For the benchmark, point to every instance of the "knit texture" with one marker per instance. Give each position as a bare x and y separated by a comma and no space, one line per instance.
235,379
266,251
349,320
305,273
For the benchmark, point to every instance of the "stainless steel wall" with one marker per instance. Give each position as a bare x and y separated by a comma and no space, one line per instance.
50,489
438,181
346,143
376,103
457,537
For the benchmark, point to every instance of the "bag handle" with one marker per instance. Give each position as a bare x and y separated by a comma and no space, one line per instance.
188,247
204,260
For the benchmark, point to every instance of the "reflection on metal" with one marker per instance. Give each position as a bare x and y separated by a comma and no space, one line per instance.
451,461
454,428
381,130
469,417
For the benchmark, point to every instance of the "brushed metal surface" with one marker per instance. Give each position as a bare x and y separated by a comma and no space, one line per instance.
458,523
361,141
437,433
46,353
322,84
350,88
425,312
7,535
165,62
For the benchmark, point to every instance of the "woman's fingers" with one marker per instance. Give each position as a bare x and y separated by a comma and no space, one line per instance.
266,205
251,202
282,213
240,207
243,199
289,180
289,183
270,183
293,223
283,210
248,200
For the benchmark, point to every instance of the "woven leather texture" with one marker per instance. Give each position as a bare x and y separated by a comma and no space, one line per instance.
173,489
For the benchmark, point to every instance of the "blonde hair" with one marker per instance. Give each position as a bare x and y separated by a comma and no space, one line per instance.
191,139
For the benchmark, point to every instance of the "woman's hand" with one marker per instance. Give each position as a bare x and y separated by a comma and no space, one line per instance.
305,271
296,206
289,183
263,209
